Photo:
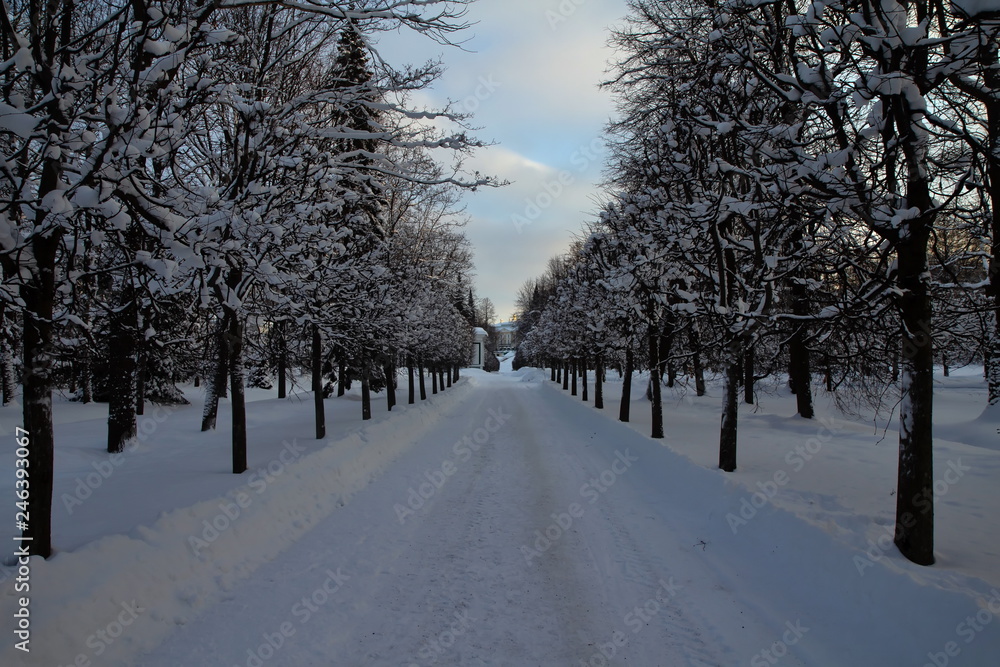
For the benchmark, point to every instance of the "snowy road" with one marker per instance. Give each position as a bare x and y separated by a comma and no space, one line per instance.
525,528
508,535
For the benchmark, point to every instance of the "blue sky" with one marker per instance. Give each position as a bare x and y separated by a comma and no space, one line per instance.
530,70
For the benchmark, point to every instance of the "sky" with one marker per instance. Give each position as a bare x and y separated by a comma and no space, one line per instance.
529,70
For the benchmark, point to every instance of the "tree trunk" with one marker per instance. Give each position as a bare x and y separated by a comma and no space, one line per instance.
799,362
389,370
447,373
122,372
423,385
342,377
215,384
992,106
626,403
799,371
38,296
730,412
575,370
599,382
699,367
441,373
282,360
557,365
583,376
552,373
7,368
237,394
319,407
140,375
565,378
411,398
667,367
87,379
800,374
654,382
915,491
749,367
434,380
366,391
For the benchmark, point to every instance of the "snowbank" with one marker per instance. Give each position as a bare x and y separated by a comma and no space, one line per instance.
159,576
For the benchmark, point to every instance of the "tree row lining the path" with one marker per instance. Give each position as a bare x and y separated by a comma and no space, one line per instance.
793,187
228,191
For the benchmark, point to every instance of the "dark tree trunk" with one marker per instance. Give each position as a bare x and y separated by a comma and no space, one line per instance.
565,378
799,373
575,370
730,412
749,367
7,376
552,372
423,385
342,377
237,394
699,367
799,362
441,374
38,296
282,360
140,376
87,378
411,398
366,391
623,411
989,100
448,376
558,367
218,382
457,374
319,407
389,369
7,361
434,380
667,367
915,491
583,377
599,382
656,403
122,372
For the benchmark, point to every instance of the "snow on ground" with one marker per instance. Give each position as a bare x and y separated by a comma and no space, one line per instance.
839,473
507,523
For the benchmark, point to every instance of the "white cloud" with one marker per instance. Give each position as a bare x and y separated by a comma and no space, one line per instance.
534,89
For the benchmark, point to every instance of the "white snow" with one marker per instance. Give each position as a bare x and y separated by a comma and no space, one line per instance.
16,121
505,522
973,8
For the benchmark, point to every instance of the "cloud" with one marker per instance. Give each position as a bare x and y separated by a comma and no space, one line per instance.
530,73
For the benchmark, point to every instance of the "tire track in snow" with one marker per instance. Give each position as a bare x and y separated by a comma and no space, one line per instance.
628,554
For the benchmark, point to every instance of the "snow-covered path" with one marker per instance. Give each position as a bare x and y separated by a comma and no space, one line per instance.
507,535
525,528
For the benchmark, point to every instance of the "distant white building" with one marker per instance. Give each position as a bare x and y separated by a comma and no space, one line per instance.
479,337
506,335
